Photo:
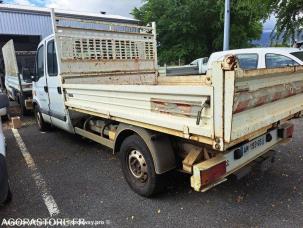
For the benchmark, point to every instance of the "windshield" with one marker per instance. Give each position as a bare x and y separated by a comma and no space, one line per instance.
298,54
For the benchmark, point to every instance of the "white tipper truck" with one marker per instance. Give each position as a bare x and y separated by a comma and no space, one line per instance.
16,63
99,80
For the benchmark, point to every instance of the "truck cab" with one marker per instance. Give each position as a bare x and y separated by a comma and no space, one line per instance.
48,98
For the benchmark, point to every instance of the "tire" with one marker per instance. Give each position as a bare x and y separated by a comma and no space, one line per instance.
42,126
138,167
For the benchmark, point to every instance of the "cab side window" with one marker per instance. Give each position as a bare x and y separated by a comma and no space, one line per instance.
276,60
40,63
52,67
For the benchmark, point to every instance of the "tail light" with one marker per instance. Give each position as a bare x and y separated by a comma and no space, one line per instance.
213,173
286,130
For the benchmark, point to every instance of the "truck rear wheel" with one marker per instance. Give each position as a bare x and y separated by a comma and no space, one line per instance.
138,167
39,119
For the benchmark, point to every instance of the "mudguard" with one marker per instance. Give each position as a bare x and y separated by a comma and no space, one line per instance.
158,144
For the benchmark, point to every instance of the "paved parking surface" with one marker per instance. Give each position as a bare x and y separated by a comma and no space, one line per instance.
85,181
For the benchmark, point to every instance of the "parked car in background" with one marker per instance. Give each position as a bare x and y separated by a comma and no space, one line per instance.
257,58
201,63
5,192
198,66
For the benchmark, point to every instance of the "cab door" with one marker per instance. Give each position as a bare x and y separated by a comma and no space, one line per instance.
56,98
40,84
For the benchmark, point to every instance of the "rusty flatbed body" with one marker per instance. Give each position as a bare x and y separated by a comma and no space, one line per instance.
215,124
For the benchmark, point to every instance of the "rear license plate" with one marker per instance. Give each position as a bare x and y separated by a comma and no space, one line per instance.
253,144
239,156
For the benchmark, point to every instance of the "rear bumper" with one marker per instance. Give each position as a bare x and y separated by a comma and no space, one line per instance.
250,151
4,186
235,159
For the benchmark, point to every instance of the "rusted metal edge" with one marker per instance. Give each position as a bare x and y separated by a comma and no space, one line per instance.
98,74
104,30
104,61
264,72
89,21
251,99
186,80
175,107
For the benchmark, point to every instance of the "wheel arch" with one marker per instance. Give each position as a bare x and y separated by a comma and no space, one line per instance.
159,145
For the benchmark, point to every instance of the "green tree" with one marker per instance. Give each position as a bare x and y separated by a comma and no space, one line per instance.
289,14
189,29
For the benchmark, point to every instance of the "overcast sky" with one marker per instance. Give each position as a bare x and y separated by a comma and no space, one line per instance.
119,7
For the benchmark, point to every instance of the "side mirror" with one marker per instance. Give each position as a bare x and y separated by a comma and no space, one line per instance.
27,75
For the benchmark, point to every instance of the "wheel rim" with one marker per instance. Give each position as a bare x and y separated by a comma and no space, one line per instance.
137,165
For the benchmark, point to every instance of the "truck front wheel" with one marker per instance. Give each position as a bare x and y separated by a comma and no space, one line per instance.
138,167
39,119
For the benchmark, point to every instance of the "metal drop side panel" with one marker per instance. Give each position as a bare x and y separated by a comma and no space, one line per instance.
174,108
260,98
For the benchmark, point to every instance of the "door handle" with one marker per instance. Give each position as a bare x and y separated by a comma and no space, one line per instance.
59,90
46,89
